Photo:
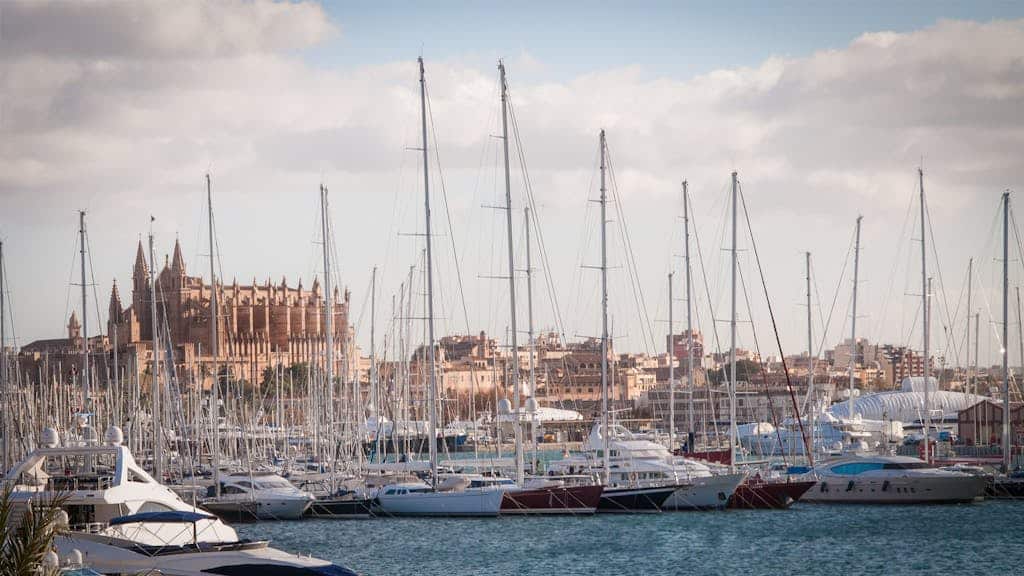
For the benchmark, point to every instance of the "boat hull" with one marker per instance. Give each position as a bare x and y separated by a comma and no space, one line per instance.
633,500
707,493
1005,489
897,490
552,501
262,509
338,508
107,557
468,503
761,495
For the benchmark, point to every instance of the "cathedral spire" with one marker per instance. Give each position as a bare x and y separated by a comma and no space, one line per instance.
115,304
74,327
141,271
178,263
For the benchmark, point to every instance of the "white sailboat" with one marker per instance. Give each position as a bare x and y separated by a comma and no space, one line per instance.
454,498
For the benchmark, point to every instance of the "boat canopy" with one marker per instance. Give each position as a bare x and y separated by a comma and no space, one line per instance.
163,516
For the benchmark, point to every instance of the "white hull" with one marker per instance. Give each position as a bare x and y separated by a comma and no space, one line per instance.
102,555
467,503
707,493
261,508
896,490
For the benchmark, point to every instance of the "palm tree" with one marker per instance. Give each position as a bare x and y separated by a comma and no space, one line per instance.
25,542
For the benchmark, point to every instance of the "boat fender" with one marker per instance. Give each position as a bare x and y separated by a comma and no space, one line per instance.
885,486
849,487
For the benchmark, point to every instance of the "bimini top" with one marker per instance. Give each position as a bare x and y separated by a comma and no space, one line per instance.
163,516
905,406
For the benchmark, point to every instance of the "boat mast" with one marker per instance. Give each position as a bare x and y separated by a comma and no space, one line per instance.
214,347
517,427
328,326
605,433
158,450
810,359
967,345
374,384
85,317
732,337
532,343
691,432
671,372
925,307
1005,341
853,321
8,418
432,391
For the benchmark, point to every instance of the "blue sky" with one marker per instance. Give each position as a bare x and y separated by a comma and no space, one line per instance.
677,39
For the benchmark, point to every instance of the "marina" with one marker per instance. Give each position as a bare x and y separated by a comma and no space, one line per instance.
557,351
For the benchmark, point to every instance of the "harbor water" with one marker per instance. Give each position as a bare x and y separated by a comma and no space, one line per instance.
982,538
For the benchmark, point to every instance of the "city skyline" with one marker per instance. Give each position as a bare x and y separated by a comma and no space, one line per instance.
271,103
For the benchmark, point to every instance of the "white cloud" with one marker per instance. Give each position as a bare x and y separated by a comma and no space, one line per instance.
123,106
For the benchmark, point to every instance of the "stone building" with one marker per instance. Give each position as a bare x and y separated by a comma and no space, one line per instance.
260,325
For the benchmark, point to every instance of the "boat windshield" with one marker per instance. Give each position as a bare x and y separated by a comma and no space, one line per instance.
273,483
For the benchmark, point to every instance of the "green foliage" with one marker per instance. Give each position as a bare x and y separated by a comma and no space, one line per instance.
24,545
746,371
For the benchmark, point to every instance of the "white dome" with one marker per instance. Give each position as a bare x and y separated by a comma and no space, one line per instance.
905,406
49,438
504,406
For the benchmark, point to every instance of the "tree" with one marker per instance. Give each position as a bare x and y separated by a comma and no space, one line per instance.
24,546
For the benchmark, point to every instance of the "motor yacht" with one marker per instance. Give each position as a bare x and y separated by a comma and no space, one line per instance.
638,463
125,522
891,480
257,496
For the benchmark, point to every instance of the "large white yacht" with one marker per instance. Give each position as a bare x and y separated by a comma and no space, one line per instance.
125,522
638,462
257,496
891,480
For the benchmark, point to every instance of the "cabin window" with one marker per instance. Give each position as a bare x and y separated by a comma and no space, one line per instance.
854,468
153,507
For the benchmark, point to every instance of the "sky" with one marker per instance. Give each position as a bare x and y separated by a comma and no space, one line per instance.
825,109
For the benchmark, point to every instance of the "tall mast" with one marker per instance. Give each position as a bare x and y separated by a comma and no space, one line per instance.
691,431
732,337
214,347
8,417
517,427
432,391
328,323
1005,341
530,337
977,340
85,317
374,384
671,372
967,345
155,390
810,358
605,432
925,306
853,321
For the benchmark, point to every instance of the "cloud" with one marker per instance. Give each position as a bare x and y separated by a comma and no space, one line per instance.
128,104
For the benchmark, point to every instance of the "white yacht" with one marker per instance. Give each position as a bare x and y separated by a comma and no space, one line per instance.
257,496
891,480
452,497
122,521
638,462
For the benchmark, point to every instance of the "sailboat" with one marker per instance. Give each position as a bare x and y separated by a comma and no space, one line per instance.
862,477
454,496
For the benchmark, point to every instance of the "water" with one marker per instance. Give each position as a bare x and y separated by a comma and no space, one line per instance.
984,538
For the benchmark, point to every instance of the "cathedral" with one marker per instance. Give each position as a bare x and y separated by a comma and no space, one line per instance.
259,325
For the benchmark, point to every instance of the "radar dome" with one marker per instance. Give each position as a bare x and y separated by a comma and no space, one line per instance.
114,436
74,558
531,405
51,562
50,438
504,406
